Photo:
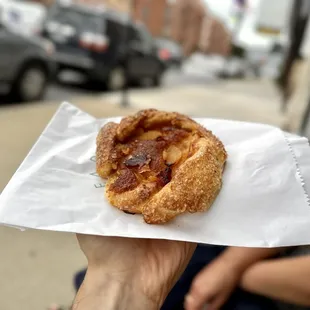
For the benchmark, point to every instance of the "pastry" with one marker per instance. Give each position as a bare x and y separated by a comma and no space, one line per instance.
160,164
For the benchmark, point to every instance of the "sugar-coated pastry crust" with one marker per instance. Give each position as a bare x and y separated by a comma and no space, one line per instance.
160,164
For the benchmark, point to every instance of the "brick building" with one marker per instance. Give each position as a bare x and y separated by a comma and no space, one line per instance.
214,37
152,14
188,22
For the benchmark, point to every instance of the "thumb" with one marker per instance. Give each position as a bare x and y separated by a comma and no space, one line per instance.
200,301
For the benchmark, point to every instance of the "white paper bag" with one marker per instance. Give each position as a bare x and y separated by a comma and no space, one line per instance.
264,201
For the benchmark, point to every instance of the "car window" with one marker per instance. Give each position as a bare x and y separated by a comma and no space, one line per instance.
115,30
145,36
81,21
134,35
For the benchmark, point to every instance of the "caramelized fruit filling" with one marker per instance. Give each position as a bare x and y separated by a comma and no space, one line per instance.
152,156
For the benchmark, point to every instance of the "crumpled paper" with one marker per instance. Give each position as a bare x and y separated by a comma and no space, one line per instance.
264,201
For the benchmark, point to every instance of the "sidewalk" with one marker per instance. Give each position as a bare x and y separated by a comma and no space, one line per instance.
254,101
37,266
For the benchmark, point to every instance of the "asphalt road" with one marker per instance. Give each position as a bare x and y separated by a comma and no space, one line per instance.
198,69
72,85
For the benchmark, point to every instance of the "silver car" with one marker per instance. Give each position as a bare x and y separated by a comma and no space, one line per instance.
26,65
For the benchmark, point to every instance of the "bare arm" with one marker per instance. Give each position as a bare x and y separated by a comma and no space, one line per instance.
100,291
214,284
286,279
241,258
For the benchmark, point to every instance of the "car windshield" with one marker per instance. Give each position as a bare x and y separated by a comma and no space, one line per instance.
80,20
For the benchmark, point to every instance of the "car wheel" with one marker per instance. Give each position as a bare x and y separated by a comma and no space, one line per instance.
116,79
31,83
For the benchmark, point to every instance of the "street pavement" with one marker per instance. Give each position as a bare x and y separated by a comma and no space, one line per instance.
197,70
72,85
255,101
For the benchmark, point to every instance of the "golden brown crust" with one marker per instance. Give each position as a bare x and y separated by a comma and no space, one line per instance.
105,149
160,164
130,123
193,188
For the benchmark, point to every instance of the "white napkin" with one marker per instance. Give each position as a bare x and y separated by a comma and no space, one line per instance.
264,201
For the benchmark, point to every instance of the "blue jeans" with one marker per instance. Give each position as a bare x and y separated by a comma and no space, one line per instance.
204,254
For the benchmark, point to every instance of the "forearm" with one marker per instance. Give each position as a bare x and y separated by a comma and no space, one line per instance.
102,292
241,257
283,279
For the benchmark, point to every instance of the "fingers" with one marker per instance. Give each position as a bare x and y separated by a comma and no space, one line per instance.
198,297
199,293
192,304
205,292
200,304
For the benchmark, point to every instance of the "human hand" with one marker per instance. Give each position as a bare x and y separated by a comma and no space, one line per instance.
213,286
146,268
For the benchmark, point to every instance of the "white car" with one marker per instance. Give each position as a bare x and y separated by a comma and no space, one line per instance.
23,17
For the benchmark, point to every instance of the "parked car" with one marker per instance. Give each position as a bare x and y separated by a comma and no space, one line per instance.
104,45
25,64
170,52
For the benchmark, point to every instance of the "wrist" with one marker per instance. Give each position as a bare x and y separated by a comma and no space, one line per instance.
235,265
101,290
241,258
